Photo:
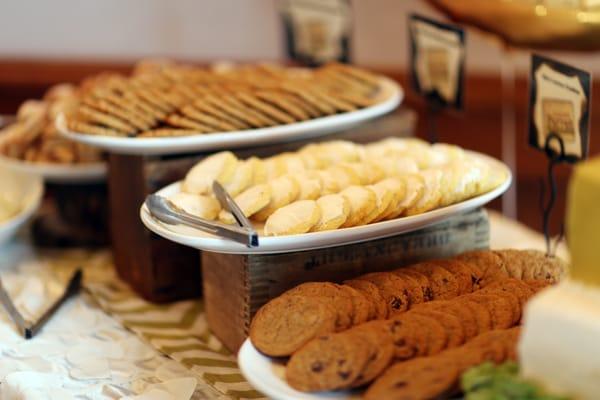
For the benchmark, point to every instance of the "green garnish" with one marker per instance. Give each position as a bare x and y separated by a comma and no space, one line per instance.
500,382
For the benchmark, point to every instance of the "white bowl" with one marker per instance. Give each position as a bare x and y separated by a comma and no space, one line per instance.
27,190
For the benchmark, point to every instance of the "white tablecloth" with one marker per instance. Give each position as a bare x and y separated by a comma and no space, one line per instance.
82,353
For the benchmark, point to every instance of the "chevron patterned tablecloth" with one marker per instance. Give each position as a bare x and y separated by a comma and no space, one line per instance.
107,343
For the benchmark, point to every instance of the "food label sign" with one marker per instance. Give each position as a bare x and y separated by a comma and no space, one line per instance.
317,31
559,109
437,61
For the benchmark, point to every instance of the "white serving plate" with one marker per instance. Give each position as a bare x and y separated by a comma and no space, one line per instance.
390,96
28,189
308,241
267,375
59,173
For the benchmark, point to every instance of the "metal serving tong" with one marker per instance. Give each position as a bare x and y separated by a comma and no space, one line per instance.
30,329
165,211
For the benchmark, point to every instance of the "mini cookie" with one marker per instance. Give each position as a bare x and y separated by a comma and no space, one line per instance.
383,198
334,212
392,288
295,218
414,289
432,192
249,201
414,190
482,315
489,263
422,280
453,326
310,186
218,167
398,190
242,178
286,323
461,272
344,176
513,299
407,335
362,201
501,309
371,291
284,190
436,338
421,378
362,307
327,363
464,314
382,350
334,295
201,206
516,287
443,283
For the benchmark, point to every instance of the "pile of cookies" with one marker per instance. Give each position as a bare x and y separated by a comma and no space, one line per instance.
337,184
33,136
345,336
177,100
437,376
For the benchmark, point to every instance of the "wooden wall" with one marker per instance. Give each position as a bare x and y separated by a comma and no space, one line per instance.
478,127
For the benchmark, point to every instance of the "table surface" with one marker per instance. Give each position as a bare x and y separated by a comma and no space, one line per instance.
85,353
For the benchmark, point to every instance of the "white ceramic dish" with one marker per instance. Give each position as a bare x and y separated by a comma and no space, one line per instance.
308,241
267,375
59,173
390,96
25,189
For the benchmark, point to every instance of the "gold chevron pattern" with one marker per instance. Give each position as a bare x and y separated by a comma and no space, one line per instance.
178,330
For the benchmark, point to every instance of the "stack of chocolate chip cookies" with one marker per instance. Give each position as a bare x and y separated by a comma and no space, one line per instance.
384,325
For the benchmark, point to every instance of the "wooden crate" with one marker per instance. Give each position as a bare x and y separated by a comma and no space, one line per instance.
160,270
235,286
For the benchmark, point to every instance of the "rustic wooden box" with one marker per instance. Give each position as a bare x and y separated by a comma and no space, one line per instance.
162,271
235,286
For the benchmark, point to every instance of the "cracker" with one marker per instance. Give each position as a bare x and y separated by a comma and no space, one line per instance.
106,120
250,201
282,103
79,126
187,123
265,108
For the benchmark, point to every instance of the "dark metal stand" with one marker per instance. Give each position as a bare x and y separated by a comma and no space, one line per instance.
553,160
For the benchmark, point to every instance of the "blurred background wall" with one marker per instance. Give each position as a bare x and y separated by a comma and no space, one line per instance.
125,30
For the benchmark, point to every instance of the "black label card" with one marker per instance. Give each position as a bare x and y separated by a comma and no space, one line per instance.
317,31
437,60
559,109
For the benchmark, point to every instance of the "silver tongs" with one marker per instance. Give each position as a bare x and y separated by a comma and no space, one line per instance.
165,211
30,329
